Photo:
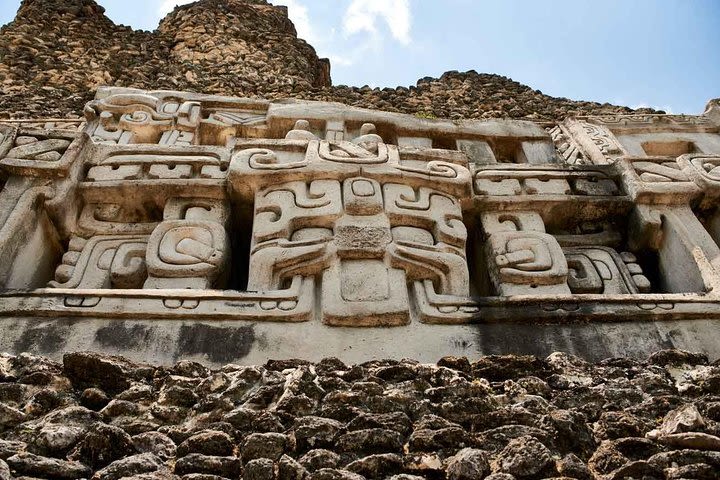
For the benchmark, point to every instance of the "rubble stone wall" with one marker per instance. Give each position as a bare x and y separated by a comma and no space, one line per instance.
493,418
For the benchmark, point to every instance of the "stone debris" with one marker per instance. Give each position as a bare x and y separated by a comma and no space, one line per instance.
630,421
56,53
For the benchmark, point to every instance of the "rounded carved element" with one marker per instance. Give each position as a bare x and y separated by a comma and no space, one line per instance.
182,248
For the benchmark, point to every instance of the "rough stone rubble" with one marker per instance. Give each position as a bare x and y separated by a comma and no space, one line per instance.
499,418
56,53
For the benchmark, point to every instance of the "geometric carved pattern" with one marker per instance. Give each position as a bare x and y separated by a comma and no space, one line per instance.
169,204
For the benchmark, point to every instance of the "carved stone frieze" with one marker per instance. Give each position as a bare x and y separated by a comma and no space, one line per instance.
179,205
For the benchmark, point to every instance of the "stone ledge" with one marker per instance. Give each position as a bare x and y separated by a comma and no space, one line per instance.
217,342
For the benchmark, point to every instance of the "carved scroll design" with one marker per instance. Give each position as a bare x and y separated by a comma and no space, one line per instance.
140,118
704,170
376,232
103,262
602,270
566,146
526,180
368,242
657,180
526,259
195,252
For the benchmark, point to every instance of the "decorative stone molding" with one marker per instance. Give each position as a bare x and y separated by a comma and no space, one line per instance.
177,205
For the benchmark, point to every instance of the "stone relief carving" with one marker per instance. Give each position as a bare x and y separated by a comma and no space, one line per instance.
566,147
602,270
367,236
169,204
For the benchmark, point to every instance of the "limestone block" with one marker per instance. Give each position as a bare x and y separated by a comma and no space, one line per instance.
417,142
186,254
103,262
534,186
170,171
108,173
527,263
478,151
505,187
364,293
602,270
537,153
595,187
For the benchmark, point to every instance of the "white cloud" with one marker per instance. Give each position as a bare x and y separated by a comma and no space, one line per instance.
298,13
364,15
300,17
361,16
341,60
167,6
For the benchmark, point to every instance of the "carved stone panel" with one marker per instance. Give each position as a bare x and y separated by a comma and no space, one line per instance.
367,241
601,270
174,205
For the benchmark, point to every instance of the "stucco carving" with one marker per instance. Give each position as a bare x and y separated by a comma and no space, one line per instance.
172,204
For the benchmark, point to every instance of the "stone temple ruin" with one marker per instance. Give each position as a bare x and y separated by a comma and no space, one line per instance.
307,290
174,225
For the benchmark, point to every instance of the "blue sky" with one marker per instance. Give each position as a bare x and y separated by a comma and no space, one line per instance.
659,53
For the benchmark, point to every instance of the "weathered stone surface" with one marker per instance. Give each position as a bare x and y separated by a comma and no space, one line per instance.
319,458
94,399
133,465
208,442
265,445
156,443
377,466
112,374
101,445
213,465
523,457
4,471
316,432
259,469
9,448
290,469
373,440
335,474
34,465
517,435
468,464
10,417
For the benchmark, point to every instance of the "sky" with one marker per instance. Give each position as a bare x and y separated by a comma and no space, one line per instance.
659,53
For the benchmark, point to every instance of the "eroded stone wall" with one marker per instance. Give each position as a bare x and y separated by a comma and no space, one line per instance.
55,54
